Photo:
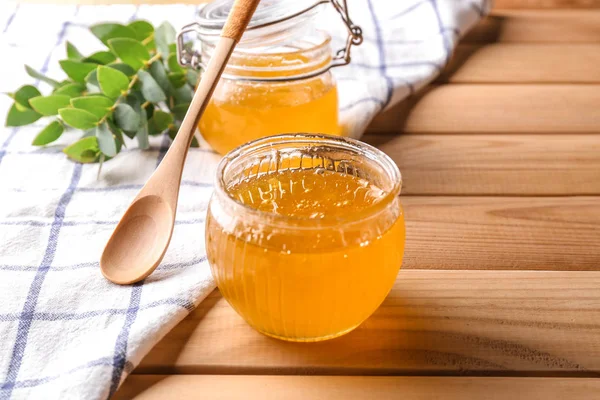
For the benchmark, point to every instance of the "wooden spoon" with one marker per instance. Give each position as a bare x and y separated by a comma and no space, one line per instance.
142,237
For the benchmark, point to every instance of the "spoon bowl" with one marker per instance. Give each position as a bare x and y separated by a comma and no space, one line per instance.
139,241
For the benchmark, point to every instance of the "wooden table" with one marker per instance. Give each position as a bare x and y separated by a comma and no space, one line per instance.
499,294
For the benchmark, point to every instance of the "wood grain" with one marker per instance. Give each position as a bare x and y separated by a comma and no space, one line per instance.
560,233
219,387
433,322
499,4
524,63
494,164
545,4
547,26
496,108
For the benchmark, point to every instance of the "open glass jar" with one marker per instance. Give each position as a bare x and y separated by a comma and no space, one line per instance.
278,79
305,233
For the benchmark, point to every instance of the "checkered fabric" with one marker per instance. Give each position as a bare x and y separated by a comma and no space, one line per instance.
66,332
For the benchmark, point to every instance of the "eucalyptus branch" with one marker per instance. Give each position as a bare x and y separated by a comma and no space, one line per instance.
134,88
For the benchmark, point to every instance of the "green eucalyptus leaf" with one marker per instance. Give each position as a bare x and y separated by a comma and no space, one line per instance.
91,155
159,122
49,105
165,35
172,48
135,99
106,141
112,81
183,94
49,134
130,51
20,107
177,79
24,94
124,68
158,72
77,70
174,65
142,134
179,110
149,110
101,57
77,118
34,74
16,117
92,78
192,77
105,32
84,150
98,105
71,90
126,118
142,29
150,45
118,133
72,52
150,88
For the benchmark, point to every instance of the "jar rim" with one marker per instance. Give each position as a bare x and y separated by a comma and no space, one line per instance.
310,139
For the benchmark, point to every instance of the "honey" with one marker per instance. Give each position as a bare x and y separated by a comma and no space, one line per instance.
262,93
243,111
317,253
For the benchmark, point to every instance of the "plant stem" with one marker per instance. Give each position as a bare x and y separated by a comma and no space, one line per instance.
155,57
148,39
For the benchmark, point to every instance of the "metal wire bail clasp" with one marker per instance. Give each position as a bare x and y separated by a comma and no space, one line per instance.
189,57
355,37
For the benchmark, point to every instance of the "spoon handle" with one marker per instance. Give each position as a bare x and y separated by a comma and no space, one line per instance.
166,179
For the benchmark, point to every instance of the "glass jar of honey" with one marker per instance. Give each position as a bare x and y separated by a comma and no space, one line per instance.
278,79
305,233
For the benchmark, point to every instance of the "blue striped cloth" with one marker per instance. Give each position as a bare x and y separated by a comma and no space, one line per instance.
67,333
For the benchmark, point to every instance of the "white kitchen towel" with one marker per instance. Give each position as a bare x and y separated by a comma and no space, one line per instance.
66,332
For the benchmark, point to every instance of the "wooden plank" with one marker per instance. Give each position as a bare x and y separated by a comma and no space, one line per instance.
219,387
547,26
502,233
524,63
487,108
489,164
546,4
104,2
432,322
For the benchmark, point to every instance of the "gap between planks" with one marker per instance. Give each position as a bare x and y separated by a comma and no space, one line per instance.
218,387
503,323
